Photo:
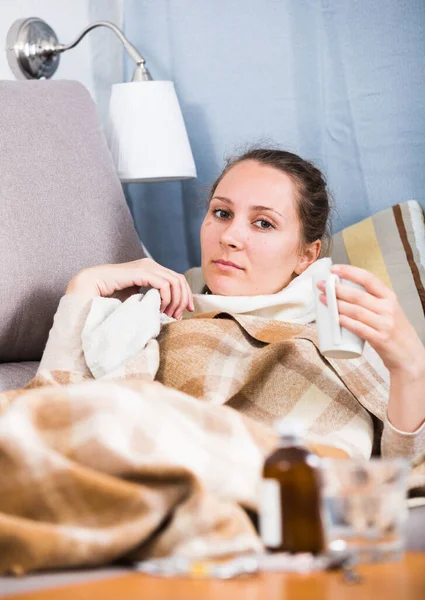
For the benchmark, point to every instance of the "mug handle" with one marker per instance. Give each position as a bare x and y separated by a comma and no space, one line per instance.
331,280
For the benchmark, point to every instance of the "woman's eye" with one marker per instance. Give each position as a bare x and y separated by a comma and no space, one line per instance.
264,224
220,213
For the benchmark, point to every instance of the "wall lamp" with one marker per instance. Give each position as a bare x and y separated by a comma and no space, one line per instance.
146,131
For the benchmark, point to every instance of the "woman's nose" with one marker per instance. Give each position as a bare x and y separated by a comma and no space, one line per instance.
233,235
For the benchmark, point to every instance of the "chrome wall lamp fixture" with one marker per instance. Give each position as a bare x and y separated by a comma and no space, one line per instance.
33,49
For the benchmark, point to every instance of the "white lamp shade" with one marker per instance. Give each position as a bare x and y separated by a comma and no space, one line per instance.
146,133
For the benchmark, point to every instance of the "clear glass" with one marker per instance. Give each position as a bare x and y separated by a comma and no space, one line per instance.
364,508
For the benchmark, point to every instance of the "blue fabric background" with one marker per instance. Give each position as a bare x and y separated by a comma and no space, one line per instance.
341,82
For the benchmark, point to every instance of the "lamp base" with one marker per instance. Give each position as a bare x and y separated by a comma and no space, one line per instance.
31,49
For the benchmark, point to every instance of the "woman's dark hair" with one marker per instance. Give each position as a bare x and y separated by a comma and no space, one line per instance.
313,197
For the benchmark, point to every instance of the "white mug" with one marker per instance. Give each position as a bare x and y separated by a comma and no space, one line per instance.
334,341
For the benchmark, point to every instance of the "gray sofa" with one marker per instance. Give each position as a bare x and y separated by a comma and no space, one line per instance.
61,209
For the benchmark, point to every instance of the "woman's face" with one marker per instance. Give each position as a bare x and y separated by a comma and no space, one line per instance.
252,223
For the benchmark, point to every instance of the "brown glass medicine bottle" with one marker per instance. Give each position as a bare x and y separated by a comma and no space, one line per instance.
290,504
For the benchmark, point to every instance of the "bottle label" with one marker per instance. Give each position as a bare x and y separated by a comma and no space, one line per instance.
270,513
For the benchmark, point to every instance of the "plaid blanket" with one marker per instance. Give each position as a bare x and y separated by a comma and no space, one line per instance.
163,455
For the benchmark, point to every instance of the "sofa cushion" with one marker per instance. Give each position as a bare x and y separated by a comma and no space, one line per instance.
61,206
391,244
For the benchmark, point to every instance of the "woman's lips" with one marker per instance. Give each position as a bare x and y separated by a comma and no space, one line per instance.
227,266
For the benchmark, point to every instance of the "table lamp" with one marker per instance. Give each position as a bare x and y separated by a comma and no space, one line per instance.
145,131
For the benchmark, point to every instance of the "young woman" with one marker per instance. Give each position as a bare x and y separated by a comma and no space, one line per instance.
267,219
164,452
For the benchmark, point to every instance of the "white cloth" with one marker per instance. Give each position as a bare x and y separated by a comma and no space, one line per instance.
293,304
115,330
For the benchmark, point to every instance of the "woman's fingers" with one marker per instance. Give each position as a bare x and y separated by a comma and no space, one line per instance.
176,294
147,272
372,309
169,290
364,315
357,319
184,299
370,334
122,280
361,298
191,303
354,295
375,327
368,280
164,288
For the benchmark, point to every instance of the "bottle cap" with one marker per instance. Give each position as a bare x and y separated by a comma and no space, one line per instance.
290,429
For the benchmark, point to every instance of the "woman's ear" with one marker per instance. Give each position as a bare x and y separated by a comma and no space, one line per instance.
310,253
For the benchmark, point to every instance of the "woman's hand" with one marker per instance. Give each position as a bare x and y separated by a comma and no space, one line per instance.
123,280
376,316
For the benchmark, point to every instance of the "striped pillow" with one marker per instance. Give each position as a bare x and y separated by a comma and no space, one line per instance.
391,244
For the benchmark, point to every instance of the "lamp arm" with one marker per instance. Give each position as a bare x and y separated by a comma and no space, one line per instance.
130,49
33,49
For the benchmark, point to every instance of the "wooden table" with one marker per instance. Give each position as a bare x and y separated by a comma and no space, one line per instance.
389,581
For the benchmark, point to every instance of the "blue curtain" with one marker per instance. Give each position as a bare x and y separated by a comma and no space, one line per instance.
341,82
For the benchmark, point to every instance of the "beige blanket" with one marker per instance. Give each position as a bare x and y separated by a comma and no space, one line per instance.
123,466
